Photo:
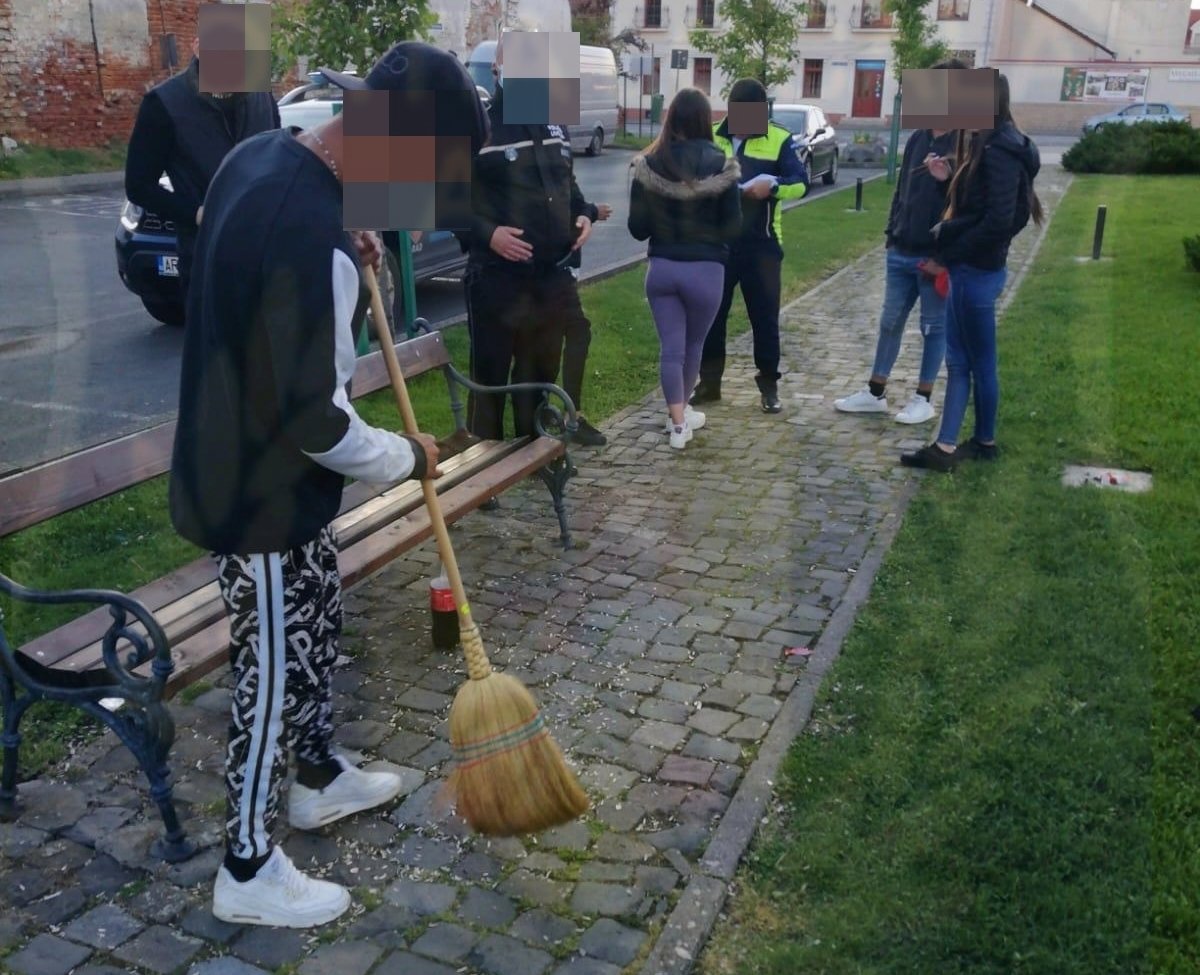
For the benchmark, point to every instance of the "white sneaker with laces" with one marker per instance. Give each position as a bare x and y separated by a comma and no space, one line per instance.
862,402
352,791
692,417
279,895
680,436
918,410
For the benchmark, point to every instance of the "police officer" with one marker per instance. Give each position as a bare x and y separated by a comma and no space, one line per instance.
187,133
530,219
771,172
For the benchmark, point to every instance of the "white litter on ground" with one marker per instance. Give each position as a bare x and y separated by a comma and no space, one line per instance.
1135,482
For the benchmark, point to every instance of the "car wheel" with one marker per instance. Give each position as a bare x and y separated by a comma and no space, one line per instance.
596,146
831,177
167,312
806,162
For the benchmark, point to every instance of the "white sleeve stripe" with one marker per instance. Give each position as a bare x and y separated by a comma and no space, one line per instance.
365,453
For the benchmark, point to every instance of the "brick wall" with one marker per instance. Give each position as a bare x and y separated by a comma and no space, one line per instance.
63,85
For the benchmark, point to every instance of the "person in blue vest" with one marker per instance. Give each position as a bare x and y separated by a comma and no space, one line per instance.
187,133
771,173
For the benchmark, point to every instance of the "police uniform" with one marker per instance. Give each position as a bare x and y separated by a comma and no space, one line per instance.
519,312
756,257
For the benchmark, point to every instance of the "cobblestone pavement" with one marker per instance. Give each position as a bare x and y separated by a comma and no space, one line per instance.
657,647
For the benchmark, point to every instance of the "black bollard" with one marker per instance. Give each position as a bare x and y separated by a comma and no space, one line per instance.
1098,239
858,195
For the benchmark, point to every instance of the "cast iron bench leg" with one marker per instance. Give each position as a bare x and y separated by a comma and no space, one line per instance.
555,475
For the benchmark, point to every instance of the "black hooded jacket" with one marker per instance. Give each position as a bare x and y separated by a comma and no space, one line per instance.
919,199
686,222
996,204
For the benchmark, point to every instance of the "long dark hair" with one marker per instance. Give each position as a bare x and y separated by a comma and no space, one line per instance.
689,117
969,154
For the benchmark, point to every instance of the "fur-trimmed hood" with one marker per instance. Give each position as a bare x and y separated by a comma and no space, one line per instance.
693,157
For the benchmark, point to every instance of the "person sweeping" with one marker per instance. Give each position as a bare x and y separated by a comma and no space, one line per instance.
266,437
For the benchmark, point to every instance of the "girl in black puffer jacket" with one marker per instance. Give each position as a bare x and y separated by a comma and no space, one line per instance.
685,199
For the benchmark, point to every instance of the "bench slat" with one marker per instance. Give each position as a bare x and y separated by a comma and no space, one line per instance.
201,607
166,597
57,486
207,650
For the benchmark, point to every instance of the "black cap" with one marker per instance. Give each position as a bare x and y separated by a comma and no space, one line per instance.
414,66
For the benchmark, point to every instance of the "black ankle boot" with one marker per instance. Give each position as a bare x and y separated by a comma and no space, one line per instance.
707,391
769,390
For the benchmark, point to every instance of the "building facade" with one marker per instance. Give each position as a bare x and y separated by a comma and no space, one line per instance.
1058,54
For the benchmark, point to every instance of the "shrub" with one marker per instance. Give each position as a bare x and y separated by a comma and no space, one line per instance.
1191,247
1150,147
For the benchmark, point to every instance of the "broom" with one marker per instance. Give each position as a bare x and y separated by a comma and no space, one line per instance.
510,777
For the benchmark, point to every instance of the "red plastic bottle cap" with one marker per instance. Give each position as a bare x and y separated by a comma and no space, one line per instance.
442,600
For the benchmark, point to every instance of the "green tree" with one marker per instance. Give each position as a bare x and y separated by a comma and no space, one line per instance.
759,42
593,20
916,44
340,33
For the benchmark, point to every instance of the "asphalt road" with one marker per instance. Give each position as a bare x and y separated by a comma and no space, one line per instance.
81,362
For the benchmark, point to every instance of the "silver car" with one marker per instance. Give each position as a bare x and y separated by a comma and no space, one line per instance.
1133,114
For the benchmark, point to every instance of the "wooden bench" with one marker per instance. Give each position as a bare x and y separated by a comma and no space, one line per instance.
144,648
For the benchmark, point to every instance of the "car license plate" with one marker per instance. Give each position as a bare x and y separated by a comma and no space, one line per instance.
168,265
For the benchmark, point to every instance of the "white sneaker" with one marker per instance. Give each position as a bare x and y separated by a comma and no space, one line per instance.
693,418
279,895
862,402
680,436
918,410
352,791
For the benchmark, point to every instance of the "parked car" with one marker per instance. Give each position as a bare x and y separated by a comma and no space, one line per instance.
598,110
147,249
814,138
148,260
1133,114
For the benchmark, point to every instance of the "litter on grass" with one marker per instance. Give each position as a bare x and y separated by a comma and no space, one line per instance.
1135,482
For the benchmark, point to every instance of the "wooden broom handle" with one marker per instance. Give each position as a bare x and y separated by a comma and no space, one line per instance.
445,549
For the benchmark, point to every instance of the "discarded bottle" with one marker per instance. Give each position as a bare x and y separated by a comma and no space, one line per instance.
443,613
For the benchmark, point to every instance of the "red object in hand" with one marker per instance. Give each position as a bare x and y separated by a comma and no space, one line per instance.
941,284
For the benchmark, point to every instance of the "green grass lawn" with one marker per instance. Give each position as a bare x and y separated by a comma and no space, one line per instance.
34,161
1000,775
126,541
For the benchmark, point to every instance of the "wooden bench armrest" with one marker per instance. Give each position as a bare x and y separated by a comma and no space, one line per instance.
150,646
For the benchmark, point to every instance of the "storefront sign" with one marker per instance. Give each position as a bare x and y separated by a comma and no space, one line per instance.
1087,85
1183,74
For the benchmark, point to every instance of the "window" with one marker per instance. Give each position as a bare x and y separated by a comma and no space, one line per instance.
954,9
1157,110
706,13
650,82
874,16
702,74
813,71
816,14
653,13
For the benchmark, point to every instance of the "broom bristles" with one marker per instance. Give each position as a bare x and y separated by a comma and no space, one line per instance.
511,777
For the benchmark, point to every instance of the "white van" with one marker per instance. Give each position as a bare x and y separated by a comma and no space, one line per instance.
597,93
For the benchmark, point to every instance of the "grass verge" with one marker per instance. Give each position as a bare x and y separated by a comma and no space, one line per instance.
126,541
999,775
33,161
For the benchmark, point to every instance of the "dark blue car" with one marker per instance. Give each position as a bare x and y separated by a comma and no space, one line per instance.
148,261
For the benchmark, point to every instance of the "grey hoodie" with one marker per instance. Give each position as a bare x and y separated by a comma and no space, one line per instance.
687,221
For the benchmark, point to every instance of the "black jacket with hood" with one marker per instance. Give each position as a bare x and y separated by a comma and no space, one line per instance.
996,204
687,221
919,199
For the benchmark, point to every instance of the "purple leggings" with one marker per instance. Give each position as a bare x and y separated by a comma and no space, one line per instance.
684,297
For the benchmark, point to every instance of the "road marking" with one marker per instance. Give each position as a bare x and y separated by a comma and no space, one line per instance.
64,213
69,408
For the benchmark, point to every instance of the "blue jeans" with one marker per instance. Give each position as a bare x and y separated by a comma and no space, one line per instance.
904,285
971,351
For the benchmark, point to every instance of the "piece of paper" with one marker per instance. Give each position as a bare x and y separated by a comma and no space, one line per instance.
760,178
